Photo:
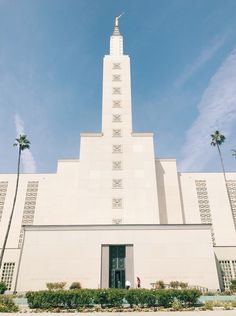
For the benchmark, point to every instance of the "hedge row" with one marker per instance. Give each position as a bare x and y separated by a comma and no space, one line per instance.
75,299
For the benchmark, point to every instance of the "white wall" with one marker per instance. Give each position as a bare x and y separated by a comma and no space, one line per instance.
160,253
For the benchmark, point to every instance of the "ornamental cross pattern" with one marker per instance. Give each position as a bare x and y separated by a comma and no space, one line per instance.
116,165
116,183
116,104
116,203
117,149
116,66
116,132
116,118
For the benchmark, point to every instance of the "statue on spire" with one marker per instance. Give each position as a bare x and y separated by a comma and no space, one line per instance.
117,19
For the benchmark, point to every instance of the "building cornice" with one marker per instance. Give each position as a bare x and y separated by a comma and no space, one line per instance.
91,134
117,227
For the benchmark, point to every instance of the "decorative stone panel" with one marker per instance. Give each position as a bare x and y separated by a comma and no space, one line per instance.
204,205
116,118
3,192
117,165
117,203
116,103
116,66
117,149
29,207
117,221
231,184
116,90
116,77
117,183
116,132
226,273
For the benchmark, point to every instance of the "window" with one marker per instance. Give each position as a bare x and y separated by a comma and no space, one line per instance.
226,273
116,149
7,274
116,132
117,203
116,118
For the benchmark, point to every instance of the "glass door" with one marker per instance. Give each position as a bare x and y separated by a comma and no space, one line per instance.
117,267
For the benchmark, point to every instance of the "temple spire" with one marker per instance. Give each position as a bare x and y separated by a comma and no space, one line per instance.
116,40
116,31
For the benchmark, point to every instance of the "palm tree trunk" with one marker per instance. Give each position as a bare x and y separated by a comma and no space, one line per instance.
12,211
227,189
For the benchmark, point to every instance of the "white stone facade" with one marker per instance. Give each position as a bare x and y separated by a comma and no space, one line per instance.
172,226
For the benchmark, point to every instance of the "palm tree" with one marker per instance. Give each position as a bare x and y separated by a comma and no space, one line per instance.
217,140
23,143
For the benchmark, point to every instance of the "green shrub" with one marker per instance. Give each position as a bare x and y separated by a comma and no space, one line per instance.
75,285
101,297
147,298
233,303
188,297
55,286
3,287
83,298
233,285
132,297
165,298
7,305
208,306
227,305
176,305
109,297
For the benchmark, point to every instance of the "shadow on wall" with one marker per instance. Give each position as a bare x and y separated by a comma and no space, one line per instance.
161,193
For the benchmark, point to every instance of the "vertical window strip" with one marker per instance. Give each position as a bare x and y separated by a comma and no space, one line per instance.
204,206
7,274
3,192
226,273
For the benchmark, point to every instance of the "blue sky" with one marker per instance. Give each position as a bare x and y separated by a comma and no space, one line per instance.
183,58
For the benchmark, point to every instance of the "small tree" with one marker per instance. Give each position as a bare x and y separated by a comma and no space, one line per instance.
160,285
56,286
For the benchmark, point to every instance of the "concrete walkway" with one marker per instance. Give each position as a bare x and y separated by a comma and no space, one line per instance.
187,313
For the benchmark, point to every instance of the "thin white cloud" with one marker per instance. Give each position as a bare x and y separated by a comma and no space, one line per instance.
217,111
204,56
28,161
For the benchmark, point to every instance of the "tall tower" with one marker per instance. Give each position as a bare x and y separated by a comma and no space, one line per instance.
116,112
117,176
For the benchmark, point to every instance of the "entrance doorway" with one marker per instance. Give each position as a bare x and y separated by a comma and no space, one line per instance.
117,267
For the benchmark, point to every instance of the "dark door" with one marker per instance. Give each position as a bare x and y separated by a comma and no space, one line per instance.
117,267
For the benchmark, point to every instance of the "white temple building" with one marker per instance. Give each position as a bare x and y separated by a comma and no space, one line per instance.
117,212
